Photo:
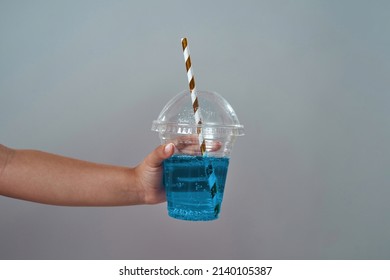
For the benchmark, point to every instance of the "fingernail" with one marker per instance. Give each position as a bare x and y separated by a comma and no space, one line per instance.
168,148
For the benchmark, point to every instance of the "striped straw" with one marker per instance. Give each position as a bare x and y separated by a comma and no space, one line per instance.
194,97
212,178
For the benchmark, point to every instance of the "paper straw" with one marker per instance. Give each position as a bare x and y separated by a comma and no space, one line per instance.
212,178
194,97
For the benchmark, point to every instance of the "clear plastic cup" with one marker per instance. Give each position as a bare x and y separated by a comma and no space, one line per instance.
195,183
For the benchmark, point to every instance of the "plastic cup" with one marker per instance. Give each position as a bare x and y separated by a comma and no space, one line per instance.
195,183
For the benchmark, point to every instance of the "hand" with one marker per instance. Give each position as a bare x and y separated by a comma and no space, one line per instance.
148,174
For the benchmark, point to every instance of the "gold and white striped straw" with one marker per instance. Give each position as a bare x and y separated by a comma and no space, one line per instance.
194,97
212,178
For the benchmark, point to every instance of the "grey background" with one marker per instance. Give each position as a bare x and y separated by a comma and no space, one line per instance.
308,79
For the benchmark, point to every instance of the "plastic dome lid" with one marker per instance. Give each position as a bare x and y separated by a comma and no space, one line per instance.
218,117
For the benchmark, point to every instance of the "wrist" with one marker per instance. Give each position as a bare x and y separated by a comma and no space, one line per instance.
135,189
5,157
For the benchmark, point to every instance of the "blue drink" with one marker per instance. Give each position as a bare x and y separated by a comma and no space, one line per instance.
194,186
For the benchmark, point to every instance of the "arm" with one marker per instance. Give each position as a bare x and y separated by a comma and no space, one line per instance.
53,179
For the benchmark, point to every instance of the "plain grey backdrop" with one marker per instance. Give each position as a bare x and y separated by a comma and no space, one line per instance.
308,79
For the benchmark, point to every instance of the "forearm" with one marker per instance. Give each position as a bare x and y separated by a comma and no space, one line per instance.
52,179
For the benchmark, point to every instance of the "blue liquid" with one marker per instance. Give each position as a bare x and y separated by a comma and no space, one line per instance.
194,186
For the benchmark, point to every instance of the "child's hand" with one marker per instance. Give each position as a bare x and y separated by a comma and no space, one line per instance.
149,174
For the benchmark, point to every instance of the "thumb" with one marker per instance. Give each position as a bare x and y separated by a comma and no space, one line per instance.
155,158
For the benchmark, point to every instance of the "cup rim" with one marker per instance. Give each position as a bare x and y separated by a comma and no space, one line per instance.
207,128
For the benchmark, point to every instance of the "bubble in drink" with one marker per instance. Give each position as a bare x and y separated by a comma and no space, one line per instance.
187,183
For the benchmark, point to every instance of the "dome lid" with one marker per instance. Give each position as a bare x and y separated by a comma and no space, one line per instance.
218,117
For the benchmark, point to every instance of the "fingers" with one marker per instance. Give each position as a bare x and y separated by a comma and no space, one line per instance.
190,145
155,158
185,145
213,146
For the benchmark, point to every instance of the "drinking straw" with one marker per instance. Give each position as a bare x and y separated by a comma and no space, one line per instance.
194,97
212,178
